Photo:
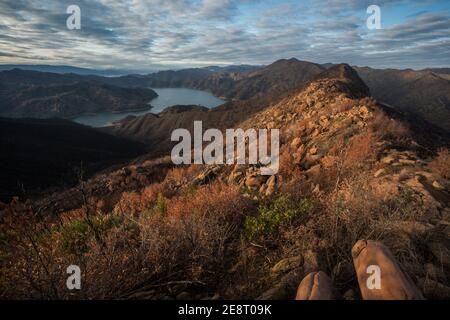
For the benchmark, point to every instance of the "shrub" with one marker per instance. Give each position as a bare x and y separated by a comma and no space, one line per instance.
441,164
360,148
279,213
389,128
161,206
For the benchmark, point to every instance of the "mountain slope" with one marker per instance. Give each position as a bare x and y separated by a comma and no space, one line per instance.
71,100
423,93
349,170
278,78
39,154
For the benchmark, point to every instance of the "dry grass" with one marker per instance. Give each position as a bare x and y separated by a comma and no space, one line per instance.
441,164
360,148
136,246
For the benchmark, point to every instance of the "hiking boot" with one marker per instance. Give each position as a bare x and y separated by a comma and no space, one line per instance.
379,275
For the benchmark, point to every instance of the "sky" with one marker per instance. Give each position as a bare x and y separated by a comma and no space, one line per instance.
146,35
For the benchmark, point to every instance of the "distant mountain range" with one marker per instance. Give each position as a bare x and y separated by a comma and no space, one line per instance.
111,72
71,100
66,69
424,93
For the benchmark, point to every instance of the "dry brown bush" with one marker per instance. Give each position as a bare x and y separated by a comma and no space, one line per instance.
360,148
118,254
441,164
388,128
355,210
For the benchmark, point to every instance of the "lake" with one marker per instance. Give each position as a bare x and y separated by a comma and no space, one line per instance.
166,97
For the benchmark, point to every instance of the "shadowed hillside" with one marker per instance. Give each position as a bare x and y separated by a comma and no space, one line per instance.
39,154
423,93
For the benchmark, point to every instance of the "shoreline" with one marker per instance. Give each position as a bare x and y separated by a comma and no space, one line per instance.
109,112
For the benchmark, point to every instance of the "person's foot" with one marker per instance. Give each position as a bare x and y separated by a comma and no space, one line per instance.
379,275
315,286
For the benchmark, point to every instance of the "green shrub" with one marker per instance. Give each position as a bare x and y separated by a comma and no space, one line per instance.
76,235
282,211
161,205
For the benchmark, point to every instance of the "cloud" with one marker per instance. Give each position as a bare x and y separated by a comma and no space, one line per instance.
142,34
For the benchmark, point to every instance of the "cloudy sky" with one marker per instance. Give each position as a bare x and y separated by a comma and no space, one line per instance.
157,34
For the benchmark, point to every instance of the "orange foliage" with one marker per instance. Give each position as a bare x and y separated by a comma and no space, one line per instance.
360,148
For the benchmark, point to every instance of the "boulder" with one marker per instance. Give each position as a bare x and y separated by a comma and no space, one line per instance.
288,264
271,186
255,180
284,289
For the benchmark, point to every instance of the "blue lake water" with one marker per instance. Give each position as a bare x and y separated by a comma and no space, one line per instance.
166,97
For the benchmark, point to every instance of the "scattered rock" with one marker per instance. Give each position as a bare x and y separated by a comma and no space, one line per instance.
296,142
363,110
313,151
388,160
408,162
287,264
255,180
235,176
316,189
284,289
271,186
206,176
379,173
437,185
